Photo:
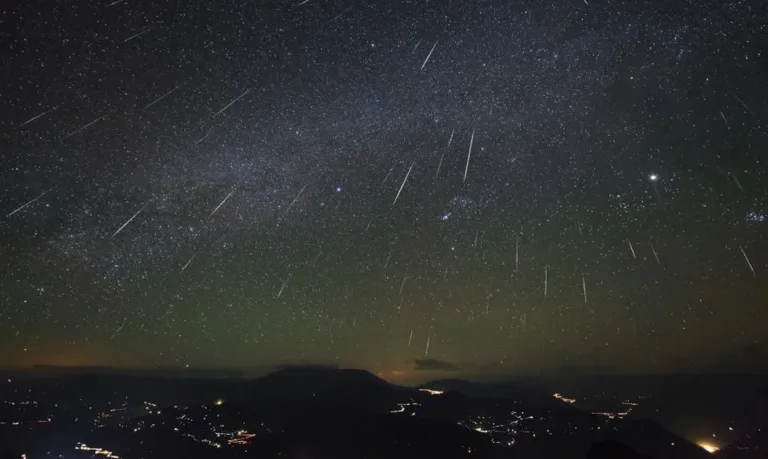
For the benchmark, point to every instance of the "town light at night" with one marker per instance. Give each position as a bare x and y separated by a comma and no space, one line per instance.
708,447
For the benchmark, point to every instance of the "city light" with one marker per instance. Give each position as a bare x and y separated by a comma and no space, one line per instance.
103,452
709,447
432,392
564,399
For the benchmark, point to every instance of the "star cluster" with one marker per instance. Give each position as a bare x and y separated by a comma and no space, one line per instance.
506,186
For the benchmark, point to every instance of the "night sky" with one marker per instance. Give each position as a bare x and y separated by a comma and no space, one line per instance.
468,187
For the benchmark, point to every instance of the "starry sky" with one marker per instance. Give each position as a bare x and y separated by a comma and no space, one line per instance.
408,186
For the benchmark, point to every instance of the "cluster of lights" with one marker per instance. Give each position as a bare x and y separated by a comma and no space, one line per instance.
203,440
609,415
100,451
242,438
401,407
222,436
432,391
501,433
564,399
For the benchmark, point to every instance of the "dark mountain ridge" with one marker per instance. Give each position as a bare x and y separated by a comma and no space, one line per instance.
506,391
320,411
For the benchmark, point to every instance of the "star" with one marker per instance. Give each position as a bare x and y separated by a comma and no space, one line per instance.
485,149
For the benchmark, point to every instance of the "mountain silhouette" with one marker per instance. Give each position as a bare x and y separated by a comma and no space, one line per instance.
505,391
298,381
325,412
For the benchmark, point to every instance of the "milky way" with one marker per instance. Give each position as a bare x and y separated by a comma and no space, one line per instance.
514,186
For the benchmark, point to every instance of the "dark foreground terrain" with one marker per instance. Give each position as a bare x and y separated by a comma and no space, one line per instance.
317,413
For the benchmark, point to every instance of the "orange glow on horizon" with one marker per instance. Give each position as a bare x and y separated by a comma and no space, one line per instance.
709,447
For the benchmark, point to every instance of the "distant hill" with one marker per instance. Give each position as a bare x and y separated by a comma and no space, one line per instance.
98,384
297,381
506,391
315,392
